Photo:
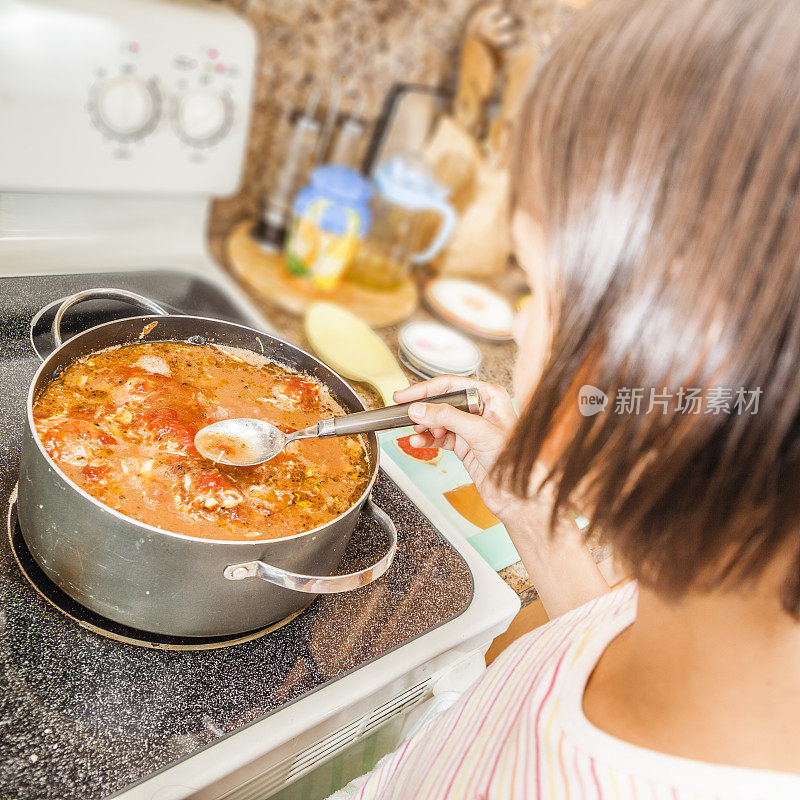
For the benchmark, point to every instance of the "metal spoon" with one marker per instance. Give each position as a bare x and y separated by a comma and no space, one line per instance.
245,442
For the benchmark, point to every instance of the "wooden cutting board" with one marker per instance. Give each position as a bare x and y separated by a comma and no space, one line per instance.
264,274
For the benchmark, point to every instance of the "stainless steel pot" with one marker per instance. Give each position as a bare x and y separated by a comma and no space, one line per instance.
166,582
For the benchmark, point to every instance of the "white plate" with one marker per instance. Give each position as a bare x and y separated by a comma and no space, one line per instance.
472,307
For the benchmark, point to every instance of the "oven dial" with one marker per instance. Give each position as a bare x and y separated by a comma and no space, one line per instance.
127,107
203,116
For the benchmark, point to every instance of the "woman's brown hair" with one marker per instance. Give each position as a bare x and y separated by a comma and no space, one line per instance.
659,150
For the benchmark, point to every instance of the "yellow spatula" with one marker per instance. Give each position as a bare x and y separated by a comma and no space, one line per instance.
348,345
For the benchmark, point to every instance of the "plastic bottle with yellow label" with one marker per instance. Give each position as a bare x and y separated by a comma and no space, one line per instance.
331,217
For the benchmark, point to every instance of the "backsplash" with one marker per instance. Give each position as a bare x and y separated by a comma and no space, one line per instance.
374,43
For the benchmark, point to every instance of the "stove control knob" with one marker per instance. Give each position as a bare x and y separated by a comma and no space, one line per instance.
127,107
203,116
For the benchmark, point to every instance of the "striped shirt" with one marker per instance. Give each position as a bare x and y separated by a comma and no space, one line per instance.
520,732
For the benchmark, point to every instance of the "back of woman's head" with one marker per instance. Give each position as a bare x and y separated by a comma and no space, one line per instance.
659,150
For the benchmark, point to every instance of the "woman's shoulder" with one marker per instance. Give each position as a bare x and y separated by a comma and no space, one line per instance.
615,609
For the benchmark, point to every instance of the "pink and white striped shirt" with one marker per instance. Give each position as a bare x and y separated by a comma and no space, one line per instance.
520,732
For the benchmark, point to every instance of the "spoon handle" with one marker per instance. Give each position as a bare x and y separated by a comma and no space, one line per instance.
382,419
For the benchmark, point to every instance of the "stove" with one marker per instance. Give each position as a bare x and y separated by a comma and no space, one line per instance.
93,194
91,709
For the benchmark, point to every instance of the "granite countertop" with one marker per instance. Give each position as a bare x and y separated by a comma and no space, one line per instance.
497,367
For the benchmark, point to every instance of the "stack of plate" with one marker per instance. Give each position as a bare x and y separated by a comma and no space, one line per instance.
428,349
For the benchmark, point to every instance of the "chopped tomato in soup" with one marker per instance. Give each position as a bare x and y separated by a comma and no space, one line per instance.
302,391
121,424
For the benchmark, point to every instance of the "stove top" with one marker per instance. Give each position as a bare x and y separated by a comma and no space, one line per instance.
85,715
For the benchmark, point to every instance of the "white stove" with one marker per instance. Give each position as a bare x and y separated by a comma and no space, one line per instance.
120,122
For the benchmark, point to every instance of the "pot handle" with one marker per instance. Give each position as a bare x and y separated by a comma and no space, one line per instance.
94,294
322,584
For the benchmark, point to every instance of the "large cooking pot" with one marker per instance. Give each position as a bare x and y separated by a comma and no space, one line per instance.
166,582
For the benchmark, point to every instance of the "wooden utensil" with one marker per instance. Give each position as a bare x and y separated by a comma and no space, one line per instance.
490,29
476,173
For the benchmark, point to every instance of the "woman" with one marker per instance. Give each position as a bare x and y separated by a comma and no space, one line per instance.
658,217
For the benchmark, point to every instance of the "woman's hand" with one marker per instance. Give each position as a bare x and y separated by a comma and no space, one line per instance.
476,440
558,561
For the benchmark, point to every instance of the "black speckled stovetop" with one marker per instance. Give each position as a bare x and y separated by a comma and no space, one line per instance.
84,716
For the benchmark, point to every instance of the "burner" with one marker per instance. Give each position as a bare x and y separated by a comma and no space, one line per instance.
105,627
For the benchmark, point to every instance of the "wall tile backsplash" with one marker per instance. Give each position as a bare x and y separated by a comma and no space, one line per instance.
374,43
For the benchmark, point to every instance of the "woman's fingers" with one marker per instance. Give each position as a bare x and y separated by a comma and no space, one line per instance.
440,417
446,442
437,433
495,398
442,425
438,385
421,440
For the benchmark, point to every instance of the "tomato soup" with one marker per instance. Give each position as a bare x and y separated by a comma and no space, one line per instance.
121,424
